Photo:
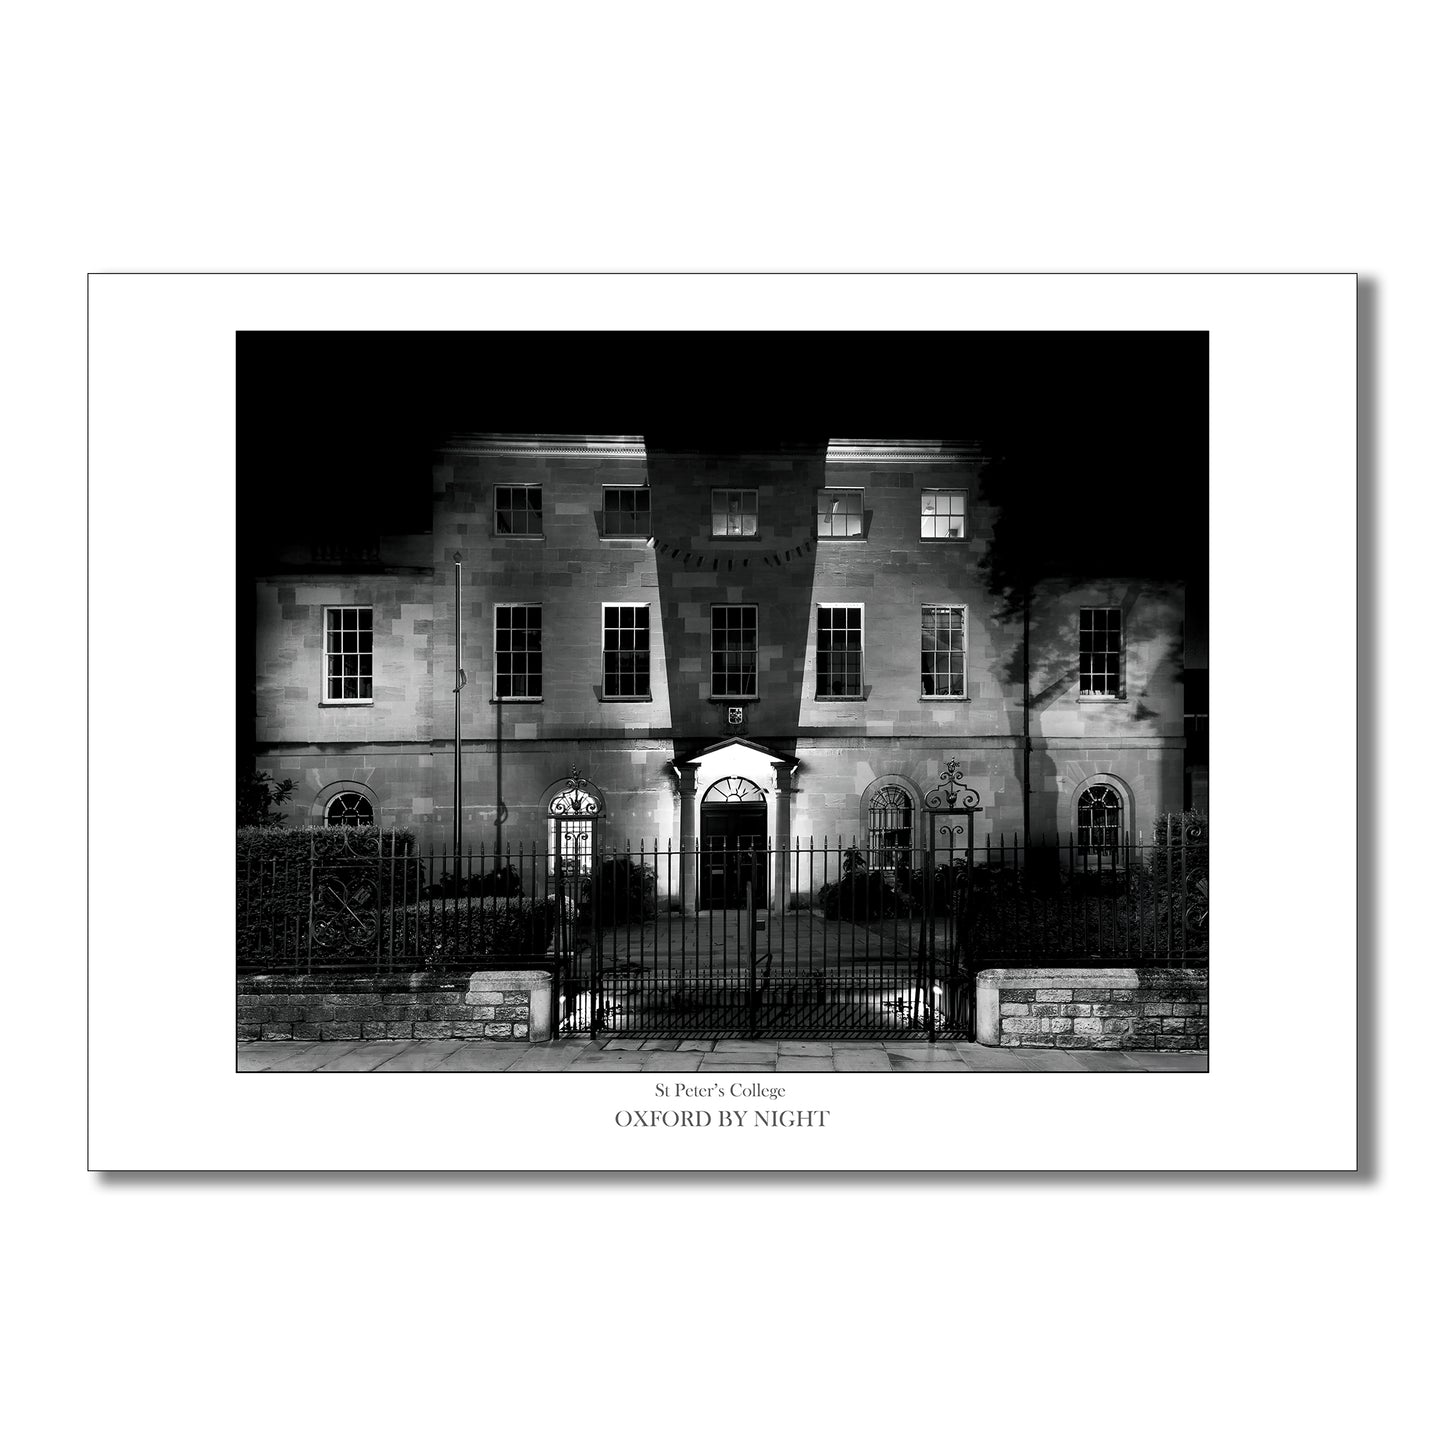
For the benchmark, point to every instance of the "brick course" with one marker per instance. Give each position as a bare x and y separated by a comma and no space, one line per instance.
1155,1008
440,1004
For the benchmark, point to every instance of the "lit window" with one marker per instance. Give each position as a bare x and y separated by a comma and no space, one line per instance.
890,828
1100,812
735,652
348,654
840,512
570,848
626,660
349,810
626,512
840,652
1101,632
734,514
519,511
519,651
945,652
944,513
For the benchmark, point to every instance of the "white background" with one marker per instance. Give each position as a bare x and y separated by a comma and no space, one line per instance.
1118,137
1282,388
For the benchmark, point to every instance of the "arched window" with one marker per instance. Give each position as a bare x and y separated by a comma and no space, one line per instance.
349,810
1100,814
890,828
570,816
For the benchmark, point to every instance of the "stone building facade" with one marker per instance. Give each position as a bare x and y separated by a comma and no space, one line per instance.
784,645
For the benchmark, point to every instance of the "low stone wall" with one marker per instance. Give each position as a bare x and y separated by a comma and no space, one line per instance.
1094,1008
460,1003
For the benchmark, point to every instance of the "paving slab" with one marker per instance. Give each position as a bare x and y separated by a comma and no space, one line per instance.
745,1046
921,1051
659,1046
419,1057
1169,1062
930,1066
737,1064
672,1063
699,1046
364,1057
482,1058
805,1064
307,1058
623,1045
807,1048
546,1059
1058,1061
629,1063
853,1061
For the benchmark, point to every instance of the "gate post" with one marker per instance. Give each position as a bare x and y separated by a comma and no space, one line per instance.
687,835
953,798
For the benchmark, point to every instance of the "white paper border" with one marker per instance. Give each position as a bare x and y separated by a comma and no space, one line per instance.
1280,1093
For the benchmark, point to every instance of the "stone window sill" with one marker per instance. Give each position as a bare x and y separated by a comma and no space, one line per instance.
347,702
518,699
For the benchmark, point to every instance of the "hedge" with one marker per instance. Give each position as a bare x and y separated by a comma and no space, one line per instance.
279,893
452,929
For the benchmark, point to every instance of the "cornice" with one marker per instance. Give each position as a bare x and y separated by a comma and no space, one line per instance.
547,444
871,451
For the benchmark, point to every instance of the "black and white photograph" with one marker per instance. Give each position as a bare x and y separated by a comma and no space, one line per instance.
722,702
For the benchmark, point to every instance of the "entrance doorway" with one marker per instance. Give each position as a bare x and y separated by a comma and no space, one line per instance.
734,819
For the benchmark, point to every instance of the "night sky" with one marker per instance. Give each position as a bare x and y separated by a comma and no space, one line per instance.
1105,434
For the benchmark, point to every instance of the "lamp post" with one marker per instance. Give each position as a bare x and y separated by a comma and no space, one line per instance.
461,682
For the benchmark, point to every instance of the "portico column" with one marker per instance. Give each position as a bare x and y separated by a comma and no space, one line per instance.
687,834
782,832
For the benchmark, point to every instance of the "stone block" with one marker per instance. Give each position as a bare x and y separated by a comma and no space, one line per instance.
1054,995
308,1031
498,1031
1014,1010
373,1029
340,1031
1076,1010
1047,1010
1088,1026
1091,995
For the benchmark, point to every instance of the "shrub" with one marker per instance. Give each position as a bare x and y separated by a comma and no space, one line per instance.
502,881
456,930
625,892
860,896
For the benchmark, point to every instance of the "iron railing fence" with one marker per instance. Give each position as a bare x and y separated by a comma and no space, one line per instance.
823,938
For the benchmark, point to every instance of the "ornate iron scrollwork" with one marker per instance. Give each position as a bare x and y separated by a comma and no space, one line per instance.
576,800
954,795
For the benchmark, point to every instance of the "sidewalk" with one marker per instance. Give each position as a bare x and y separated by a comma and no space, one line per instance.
700,1056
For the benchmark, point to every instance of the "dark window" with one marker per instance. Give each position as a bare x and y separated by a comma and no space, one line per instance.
519,650
626,512
840,652
349,810
840,512
1101,632
890,828
626,669
348,654
945,652
735,651
519,511
1100,814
